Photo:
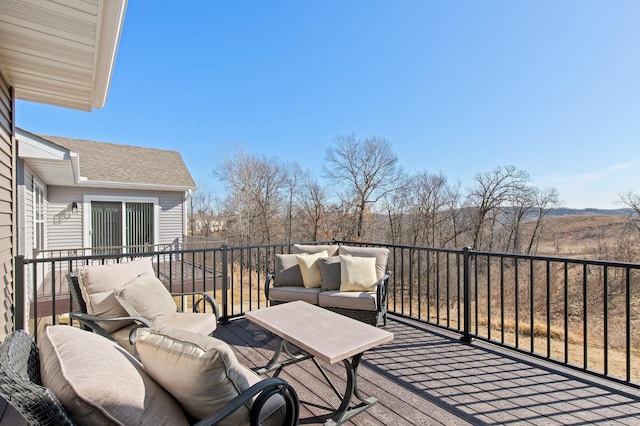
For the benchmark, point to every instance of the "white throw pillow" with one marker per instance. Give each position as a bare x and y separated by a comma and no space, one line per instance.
309,268
99,383
201,372
147,297
97,284
358,273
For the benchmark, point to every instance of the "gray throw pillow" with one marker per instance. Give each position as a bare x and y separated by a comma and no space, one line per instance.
287,272
330,273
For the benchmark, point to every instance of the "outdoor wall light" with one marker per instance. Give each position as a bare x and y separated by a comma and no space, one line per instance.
74,207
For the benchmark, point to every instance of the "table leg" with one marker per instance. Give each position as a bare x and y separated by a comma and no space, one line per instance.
345,412
274,365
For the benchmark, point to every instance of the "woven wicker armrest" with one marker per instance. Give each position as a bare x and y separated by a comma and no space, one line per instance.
21,386
261,391
204,299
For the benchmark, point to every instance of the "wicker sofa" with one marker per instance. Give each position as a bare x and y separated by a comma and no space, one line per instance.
76,377
350,280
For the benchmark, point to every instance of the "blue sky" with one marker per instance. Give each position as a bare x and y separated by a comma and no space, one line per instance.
457,87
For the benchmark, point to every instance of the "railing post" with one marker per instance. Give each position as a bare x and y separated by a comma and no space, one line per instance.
466,297
19,299
225,283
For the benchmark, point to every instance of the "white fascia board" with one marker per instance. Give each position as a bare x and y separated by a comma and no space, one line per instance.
32,146
109,32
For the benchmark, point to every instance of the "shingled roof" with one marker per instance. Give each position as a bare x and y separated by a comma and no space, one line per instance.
113,163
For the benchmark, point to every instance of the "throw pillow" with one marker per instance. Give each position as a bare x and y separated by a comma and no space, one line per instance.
380,253
200,371
329,273
147,297
357,273
309,269
97,284
98,383
287,272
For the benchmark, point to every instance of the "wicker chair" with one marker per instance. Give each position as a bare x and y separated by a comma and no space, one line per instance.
21,386
92,322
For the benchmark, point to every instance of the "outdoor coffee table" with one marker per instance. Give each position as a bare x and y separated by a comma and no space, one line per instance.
323,335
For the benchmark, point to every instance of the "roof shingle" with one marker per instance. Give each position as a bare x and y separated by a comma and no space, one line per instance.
109,162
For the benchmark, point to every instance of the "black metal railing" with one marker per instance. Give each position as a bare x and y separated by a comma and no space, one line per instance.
581,313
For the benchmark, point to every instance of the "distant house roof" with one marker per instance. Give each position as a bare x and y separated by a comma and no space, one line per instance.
65,161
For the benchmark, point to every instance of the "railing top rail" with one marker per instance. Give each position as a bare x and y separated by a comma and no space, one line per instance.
183,250
594,262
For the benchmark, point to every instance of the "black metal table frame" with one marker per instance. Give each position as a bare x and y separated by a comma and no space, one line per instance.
345,411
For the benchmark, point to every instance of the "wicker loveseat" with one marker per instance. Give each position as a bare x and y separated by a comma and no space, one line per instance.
76,377
350,280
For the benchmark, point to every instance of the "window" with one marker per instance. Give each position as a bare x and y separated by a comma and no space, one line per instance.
38,217
115,224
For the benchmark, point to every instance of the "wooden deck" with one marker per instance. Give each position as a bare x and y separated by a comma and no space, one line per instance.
426,376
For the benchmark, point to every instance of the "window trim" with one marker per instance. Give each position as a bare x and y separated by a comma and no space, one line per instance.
86,213
37,185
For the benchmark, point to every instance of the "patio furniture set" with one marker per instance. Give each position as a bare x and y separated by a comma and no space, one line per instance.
147,362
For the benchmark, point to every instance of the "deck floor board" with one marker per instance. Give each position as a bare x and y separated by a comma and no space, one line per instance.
426,376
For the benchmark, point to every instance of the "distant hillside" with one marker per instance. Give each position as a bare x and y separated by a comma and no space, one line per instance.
566,211
591,235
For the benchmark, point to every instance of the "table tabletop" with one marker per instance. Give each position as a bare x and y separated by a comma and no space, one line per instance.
328,336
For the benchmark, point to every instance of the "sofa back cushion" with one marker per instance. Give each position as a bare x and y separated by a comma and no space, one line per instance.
201,372
380,253
98,282
331,249
99,383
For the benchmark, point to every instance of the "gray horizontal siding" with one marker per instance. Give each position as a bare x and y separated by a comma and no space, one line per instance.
65,227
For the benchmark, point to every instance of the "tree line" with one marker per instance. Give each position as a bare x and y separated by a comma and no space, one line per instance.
369,197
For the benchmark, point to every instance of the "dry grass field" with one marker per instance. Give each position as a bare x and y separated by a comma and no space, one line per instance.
605,237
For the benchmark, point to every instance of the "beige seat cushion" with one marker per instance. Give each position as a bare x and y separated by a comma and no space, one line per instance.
293,293
203,323
145,296
98,282
357,273
331,249
201,372
380,253
121,336
360,300
287,271
309,268
99,383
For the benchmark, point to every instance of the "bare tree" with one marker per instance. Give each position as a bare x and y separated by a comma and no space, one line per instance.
293,175
255,187
632,201
312,204
366,169
396,206
546,199
492,190
205,210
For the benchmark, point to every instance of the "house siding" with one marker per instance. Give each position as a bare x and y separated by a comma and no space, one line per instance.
65,227
7,233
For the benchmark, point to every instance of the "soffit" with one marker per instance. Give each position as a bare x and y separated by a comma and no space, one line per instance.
60,53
